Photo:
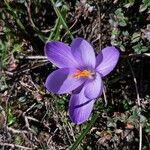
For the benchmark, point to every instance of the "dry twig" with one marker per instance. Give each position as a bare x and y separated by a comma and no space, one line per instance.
15,146
139,104
16,131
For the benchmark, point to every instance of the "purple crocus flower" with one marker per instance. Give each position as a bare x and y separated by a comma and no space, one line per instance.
79,73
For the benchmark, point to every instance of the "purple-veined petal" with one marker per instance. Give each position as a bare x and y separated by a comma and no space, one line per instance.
78,89
59,54
83,52
107,60
80,108
94,88
61,81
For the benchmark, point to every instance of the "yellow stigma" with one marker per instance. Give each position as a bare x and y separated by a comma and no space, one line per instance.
84,73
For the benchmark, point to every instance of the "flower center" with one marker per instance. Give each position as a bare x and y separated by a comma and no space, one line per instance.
84,73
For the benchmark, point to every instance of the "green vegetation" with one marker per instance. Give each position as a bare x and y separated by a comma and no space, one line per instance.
37,119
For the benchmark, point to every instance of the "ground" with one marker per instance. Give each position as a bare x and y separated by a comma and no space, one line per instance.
33,118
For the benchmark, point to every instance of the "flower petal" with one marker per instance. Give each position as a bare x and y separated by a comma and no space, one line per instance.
80,108
59,54
83,52
94,88
107,60
61,81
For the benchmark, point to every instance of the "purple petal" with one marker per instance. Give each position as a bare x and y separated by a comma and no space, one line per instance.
107,60
78,89
59,54
83,52
80,108
94,88
61,81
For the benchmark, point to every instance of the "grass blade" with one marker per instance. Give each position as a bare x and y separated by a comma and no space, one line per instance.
59,15
84,133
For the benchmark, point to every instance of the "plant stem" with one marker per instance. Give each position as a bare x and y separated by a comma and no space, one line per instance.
84,133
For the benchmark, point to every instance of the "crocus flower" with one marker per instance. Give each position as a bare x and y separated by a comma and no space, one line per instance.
80,73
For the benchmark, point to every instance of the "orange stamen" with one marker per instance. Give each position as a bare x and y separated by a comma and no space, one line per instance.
84,73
